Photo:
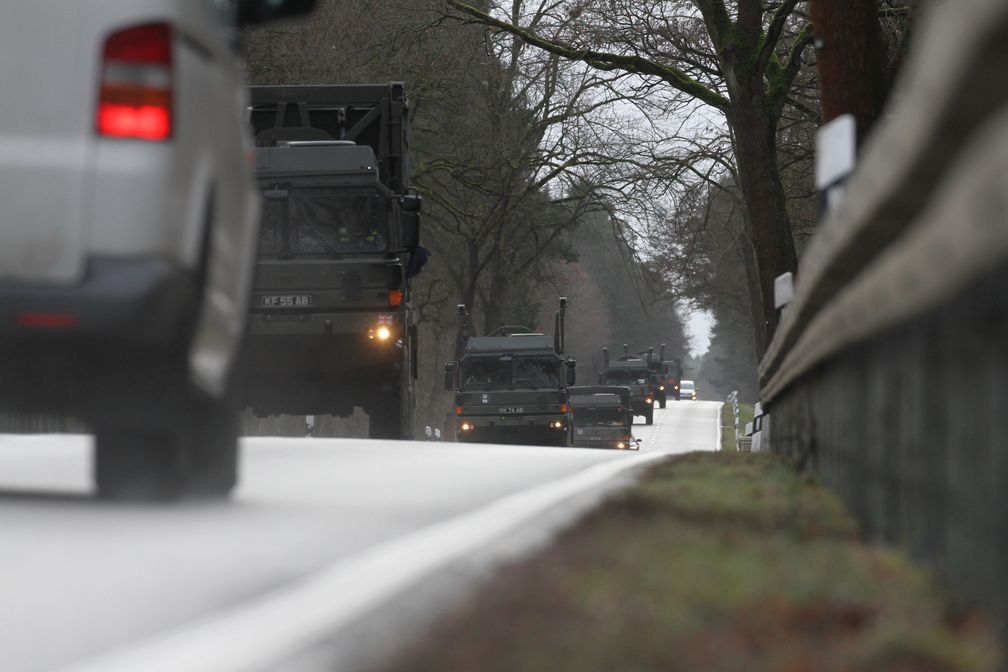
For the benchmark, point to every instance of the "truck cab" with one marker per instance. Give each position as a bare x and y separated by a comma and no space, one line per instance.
634,373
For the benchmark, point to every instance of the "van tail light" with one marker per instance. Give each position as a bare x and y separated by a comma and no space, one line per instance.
135,95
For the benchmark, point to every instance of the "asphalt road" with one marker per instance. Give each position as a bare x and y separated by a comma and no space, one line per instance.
82,579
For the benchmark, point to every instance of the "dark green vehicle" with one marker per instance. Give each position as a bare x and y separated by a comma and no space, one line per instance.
331,325
665,373
634,373
602,417
512,386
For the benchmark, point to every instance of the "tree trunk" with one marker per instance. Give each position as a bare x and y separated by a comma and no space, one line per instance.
754,139
851,60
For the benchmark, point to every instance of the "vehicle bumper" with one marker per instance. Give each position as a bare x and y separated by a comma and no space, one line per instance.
107,341
145,302
519,429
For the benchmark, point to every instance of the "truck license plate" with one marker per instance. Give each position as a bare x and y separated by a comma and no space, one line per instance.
512,409
287,301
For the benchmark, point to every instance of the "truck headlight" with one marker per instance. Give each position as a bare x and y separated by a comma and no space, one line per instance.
465,427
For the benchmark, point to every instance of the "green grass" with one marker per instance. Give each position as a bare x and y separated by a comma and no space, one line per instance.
746,414
722,562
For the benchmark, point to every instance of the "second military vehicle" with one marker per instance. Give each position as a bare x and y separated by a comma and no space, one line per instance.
634,373
331,324
602,417
512,386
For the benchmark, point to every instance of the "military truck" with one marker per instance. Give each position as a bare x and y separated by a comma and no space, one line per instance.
331,324
602,417
666,374
512,385
632,372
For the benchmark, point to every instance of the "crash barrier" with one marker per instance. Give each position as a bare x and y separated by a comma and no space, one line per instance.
733,400
888,373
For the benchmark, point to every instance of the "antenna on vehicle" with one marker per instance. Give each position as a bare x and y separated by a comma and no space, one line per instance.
626,350
560,327
605,356
464,330
661,352
650,354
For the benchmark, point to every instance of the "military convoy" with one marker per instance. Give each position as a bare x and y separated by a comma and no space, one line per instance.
511,386
331,325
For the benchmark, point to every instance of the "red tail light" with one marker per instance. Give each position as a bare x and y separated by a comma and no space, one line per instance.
54,321
395,298
135,98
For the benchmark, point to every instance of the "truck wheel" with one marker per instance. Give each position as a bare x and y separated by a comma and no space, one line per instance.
649,417
664,401
385,421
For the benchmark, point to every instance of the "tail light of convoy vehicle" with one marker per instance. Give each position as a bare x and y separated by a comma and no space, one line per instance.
135,98
395,298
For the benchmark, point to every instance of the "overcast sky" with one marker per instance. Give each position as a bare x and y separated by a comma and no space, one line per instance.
698,326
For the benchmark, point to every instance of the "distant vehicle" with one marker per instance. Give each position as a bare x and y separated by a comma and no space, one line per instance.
602,417
665,374
688,390
332,324
512,386
127,231
634,373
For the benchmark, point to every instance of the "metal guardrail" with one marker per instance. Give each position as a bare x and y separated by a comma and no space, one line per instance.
888,373
854,280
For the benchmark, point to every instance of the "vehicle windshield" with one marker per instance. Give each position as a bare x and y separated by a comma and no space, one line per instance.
481,373
686,385
626,377
608,416
321,222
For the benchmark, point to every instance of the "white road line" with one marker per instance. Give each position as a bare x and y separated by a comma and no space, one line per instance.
272,628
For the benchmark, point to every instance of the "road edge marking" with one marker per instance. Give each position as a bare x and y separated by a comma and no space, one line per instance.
284,622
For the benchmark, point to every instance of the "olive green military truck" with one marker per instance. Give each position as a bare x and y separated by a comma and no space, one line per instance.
331,325
632,372
602,417
512,386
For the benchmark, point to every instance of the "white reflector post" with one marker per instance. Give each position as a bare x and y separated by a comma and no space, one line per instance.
783,290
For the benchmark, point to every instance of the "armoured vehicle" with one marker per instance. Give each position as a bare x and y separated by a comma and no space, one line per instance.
666,374
512,386
602,417
331,326
632,372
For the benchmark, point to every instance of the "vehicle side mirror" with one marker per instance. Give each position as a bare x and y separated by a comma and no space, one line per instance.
251,12
571,371
449,375
411,202
410,231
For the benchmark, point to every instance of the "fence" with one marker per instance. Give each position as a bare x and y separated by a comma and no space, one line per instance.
888,374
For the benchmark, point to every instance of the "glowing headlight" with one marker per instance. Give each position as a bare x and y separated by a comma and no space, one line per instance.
383,333
466,427
556,425
621,445
648,400
661,388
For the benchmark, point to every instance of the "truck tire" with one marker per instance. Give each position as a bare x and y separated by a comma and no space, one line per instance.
649,416
664,401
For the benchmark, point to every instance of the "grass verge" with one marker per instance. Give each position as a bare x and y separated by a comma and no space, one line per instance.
724,562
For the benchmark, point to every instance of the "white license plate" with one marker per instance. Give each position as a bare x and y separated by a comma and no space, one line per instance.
286,301
512,409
